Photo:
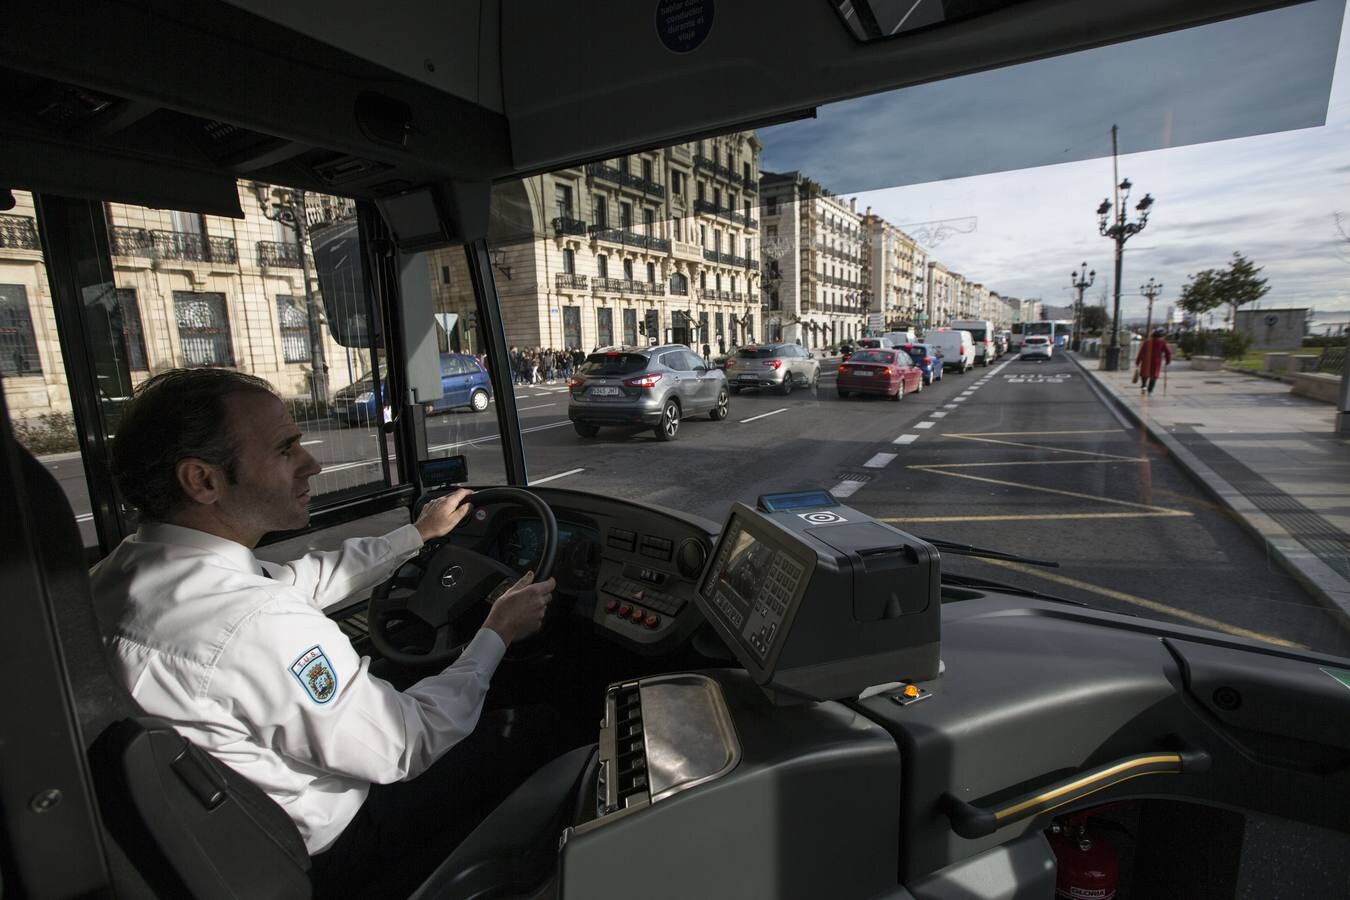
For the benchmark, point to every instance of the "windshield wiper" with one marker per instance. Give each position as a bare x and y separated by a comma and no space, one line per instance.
972,581
967,550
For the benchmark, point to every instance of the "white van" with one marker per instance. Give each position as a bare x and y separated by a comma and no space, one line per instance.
900,338
875,343
957,348
982,330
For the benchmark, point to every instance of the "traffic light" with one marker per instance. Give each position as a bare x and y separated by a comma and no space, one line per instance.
652,320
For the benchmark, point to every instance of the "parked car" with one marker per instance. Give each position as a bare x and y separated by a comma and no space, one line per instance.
656,386
876,343
957,347
1005,341
900,338
890,373
464,384
778,366
928,359
1037,346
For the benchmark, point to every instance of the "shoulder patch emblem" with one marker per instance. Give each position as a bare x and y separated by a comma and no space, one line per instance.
315,674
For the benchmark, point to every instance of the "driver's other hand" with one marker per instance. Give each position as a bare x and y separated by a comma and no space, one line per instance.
519,612
442,514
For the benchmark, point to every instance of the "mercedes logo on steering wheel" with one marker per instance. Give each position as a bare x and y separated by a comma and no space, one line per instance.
451,576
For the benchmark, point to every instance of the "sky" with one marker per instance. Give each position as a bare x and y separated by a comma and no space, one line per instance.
1178,99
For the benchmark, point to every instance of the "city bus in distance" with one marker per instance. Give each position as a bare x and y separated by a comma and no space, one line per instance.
1059,331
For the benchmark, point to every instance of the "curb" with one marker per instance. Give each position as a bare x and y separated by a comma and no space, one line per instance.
1321,581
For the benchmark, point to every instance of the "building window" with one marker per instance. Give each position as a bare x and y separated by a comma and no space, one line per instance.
700,192
702,281
677,183
648,220
572,326
717,240
630,327
203,328
647,171
651,273
569,262
562,195
294,330
679,284
773,232
733,284
717,197
18,343
129,325
703,327
720,334
745,172
675,230
602,266
748,217
628,269
749,248
623,165
445,274
604,326
600,210
772,206
625,215
731,244
703,235
717,278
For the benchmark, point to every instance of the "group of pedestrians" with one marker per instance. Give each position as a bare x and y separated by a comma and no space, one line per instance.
543,365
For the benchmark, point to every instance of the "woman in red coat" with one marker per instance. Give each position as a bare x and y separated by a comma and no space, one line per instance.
1150,360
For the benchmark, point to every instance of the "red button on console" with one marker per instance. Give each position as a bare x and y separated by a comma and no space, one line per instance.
652,621
625,610
611,606
637,614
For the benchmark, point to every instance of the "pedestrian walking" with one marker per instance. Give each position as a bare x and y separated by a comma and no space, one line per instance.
707,354
1151,360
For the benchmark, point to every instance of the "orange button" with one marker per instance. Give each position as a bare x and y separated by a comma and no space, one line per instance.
637,614
911,691
652,621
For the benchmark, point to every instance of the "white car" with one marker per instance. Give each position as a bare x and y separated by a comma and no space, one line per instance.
1037,346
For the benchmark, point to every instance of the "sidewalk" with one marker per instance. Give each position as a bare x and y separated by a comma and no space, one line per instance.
1271,458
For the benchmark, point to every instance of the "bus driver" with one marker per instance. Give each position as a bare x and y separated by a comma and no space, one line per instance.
239,656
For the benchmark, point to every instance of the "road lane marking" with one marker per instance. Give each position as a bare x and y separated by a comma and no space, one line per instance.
535,481
845,489
985,440
906,439
309,443
1034,433
1028,517
1045,490
924,424
85,517
1037,462
764,415
952,406
958,399
540,406
880,461
937,415
1151,605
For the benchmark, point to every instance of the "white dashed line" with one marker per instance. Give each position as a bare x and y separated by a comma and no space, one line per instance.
952,406
937,415
763,415
906,439
845,489
880,461
535,481
924,424
958,399
540,406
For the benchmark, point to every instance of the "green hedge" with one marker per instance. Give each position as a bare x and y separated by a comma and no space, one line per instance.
46,434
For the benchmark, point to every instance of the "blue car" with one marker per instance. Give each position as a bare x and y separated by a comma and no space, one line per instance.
927,358
464,383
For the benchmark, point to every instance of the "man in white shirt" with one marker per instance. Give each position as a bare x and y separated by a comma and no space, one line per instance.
238,653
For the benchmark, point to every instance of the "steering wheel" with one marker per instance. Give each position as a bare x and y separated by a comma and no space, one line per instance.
444,582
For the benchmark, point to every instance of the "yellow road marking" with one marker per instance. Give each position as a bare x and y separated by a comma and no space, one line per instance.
983,440
1151,605
1036,462
1063,493
1164,514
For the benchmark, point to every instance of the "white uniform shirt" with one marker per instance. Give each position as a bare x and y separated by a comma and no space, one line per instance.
249,668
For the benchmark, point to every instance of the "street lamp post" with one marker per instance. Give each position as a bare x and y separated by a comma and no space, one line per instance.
1120,230
288,207
1081,281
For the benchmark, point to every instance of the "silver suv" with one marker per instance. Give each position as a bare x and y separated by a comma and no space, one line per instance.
778,366
654,386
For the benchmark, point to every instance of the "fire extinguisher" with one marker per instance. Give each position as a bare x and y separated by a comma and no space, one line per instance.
1086,863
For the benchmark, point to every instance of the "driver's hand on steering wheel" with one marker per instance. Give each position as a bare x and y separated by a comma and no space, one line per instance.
441,515
519,612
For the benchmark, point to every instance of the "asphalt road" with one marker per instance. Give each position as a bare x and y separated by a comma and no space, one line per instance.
1024,457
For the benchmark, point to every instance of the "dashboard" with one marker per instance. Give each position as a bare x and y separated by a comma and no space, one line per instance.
520,543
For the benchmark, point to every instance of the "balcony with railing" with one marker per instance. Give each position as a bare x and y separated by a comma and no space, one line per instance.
708,165
569,281
626,179
722,212
181,245
730,259
630,239
750,185
19,233
277,255
564,225
128,241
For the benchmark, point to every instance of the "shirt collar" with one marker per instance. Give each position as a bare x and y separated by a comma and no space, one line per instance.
235,553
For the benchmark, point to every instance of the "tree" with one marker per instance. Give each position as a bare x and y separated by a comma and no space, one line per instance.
1095,319
1239,285
1200,293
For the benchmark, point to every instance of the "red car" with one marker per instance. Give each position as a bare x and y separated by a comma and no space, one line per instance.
888,372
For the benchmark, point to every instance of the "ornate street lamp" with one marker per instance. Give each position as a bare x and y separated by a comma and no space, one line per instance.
1120,230
1151,291
1081,281
287,206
